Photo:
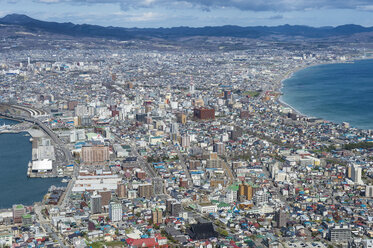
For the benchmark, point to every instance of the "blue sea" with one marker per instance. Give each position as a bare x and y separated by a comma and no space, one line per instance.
15,186
334,92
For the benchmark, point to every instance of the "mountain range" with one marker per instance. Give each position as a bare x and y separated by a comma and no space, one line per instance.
256,32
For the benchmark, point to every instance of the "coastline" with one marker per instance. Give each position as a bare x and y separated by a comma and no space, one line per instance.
34,188
288,75
291,73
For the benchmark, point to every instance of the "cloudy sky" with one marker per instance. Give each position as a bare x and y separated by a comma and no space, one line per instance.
196,13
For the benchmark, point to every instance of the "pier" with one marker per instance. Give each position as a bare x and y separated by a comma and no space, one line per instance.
29,121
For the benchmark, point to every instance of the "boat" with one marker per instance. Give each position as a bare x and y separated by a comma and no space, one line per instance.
65,180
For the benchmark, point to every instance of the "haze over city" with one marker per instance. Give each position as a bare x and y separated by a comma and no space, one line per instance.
214,132
195,13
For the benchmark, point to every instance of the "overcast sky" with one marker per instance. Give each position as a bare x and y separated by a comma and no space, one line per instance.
196,13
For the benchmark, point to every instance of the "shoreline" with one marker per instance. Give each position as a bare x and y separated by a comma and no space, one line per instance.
291,73
36,187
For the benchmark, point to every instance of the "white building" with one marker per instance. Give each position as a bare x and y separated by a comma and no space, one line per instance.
368,243
115,211
6,239
42,165
369,191
356,174
260,197
207,208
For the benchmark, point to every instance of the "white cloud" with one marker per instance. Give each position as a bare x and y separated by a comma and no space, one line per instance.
253,5
365,8
245,5
144,17
49,1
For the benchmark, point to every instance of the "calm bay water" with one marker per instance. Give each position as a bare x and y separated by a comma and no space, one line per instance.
15,186
334,92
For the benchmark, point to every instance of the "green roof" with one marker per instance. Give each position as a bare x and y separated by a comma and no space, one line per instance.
26,216
90,135
234,187
253,185
192,206
223,205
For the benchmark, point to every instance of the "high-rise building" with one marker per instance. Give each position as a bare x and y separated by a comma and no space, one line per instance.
356,174
95,154
158,185
214,183
349,171
141,117
148,108
219,148
203,113
146,190
191,88
185,141
72,104
95,204
213,156
369,191
176,208
115,211
18,212
169,205
194,164
131,194
181,118
339,233
280,218
26,220
198,102
236,133
183,183
129,85
105,197
82,110
260,197
157,216
121,190
174,128
228,95
231,196
141,174
245,192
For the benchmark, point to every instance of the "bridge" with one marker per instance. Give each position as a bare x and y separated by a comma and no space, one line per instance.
33,112
42,126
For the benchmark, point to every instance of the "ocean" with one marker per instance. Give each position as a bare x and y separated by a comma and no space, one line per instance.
333,92
15,186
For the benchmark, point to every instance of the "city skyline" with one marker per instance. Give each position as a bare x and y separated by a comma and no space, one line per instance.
193,13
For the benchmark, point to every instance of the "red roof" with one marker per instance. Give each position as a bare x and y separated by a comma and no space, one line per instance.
148,242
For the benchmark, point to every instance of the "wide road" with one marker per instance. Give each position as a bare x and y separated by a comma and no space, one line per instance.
60,145
183,165
69,188
140,159
47,226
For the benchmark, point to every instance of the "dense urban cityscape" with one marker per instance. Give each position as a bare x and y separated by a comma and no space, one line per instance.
175,146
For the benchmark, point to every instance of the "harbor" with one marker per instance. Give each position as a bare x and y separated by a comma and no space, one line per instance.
48,160
17,187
